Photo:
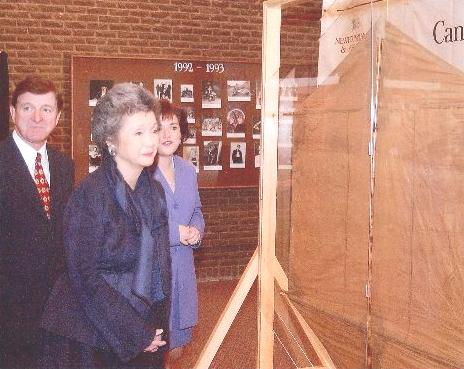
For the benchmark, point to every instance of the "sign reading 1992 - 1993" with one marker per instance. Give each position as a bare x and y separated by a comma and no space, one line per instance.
222,100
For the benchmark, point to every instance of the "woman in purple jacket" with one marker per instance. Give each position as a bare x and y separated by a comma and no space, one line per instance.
186,224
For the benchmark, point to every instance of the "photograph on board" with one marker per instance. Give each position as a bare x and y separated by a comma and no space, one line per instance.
238,91
237,154
212,155
191,136
186,93
163,89
259,94
190,114
210,94
257,152
211,125
190,153
97,89
256,127
94,157
235,123
137,83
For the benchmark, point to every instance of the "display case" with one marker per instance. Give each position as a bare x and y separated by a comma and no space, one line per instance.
360,263
369,213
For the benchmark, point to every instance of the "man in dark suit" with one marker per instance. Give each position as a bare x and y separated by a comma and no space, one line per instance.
35,183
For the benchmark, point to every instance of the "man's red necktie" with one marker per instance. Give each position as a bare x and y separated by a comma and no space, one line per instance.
42,185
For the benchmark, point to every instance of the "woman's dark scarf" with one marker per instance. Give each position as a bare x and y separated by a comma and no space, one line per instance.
138,205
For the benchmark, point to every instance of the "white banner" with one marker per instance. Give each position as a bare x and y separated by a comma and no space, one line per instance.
438,25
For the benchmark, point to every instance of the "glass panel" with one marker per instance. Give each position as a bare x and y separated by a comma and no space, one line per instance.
323,185
417,272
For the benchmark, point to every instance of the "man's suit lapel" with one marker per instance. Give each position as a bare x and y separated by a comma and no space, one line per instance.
22,179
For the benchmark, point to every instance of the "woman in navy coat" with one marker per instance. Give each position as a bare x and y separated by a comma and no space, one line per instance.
111,308
186,225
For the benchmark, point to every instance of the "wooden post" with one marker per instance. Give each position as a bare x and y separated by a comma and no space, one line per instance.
268,183
264,263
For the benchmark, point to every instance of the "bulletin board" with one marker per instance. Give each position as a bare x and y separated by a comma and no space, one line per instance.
223,100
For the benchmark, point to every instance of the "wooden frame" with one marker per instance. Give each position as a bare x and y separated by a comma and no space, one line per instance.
264,264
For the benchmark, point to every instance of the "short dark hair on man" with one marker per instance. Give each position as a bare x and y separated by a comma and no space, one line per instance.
36,85
121,100
168,110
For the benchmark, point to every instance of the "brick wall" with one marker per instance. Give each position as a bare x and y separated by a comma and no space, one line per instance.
41,35
232,218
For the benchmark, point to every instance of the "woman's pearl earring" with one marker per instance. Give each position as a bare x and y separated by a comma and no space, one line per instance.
112,150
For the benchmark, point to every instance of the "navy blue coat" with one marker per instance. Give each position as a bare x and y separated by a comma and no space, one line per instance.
31,247
92,303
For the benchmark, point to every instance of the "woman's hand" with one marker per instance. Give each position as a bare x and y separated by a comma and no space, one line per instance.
189,235
194,236
184,233
156,343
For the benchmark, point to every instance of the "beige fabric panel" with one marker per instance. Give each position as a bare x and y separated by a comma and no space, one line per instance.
418,271
344,341
330,216
395,354
418,252
418,267
330,186
330,209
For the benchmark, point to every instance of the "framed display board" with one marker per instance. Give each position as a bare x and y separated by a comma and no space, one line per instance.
223,100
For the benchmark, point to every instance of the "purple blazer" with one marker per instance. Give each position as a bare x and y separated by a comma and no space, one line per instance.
184,207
